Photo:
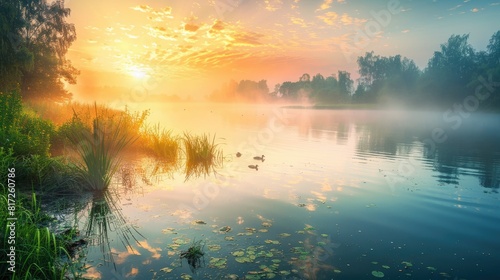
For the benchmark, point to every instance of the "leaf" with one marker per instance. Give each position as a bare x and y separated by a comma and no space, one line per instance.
378,274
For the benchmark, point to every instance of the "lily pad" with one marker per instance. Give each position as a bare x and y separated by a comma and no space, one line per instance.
386,266
378,274
309,228
243,259
408,264
166,269
238,253
285,234
199,222
431,268
185,276
218,262
337,271
225,229
168,231
229,238
214,247
266,224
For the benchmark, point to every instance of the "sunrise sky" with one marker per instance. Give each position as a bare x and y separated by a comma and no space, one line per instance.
190,48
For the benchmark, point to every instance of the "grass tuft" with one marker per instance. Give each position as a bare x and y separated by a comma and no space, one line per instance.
203,155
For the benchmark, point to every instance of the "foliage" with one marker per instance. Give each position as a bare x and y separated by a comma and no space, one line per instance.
35,38
24,132
385,78
37,250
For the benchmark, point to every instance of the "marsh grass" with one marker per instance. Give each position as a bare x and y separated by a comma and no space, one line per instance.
99,148
161,144
203,155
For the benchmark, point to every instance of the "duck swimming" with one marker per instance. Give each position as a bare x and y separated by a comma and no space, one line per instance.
256,167
259,158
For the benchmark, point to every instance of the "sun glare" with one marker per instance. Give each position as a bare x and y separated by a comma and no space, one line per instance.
137,72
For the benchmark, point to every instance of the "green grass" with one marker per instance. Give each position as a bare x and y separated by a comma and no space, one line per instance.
202,153
38,251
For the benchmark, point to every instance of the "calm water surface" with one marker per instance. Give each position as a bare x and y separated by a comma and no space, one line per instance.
341,195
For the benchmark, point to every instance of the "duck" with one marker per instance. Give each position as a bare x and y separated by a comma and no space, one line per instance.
256,167
238,154
259,158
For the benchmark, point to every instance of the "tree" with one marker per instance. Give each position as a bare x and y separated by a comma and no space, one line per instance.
345,84
15,58
450,70
43,37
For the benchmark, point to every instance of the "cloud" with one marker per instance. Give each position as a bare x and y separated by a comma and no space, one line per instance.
142,8
456,7
325,5
329,18
298,21
273,5
348,20
216,27
191,27
245,38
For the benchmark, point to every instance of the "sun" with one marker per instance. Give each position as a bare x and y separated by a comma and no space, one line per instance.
137,72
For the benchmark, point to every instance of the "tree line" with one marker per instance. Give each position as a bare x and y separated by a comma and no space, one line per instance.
455,72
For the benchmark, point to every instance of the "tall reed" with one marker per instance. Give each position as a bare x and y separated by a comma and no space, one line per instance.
99,149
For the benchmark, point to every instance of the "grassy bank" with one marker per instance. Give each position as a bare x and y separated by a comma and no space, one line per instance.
72,148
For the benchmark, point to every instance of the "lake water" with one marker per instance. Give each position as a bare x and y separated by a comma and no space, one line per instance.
342,194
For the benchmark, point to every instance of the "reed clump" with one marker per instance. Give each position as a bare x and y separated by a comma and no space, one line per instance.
203,154
161,144
99,148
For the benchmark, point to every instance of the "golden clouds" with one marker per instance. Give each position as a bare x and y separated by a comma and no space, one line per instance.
333,19
325,5
191,27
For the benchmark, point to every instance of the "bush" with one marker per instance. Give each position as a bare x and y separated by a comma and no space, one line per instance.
25,133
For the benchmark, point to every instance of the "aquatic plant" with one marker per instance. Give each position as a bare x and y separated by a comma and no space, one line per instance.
99,149
203,155
161,144
194,255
